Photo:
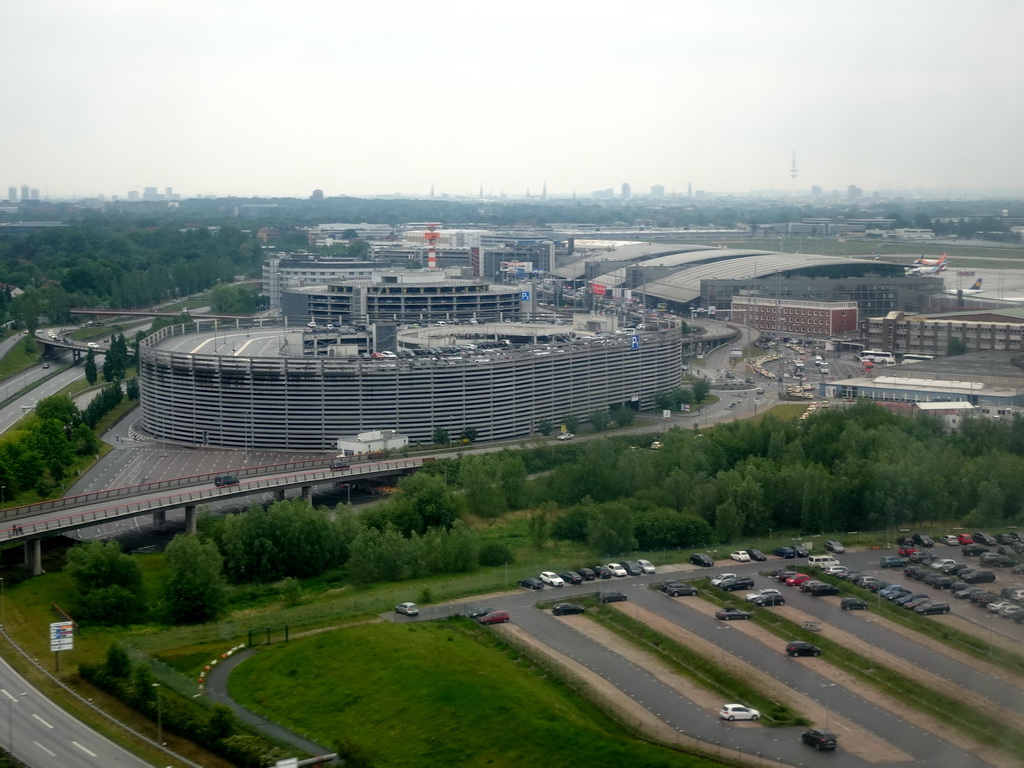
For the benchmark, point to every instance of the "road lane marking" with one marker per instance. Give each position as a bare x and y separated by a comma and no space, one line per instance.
90,754
51,754
37,717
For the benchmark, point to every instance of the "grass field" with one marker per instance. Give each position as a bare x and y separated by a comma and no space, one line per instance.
386,692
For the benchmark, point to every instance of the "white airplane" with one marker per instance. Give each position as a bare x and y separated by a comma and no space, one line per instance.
974,288
928,266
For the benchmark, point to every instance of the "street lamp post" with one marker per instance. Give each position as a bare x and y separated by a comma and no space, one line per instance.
826,686
159,717
3,494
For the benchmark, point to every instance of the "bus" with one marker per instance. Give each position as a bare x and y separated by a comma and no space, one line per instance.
877,357
912,358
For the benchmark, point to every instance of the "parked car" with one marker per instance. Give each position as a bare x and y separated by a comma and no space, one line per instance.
646,566
552,579
921,540
1011,610
996,560
967,592
834,546
983,598
901,601
740,556
761,593
892,561
632,568
587,574
905,551
738,712
938,581
800,551
722,577
810,584
821,590
820,739
566,609
407,609
601,572
801,648
617,569
728,614
571,577
852,604
977,577
222,480
835,570
973,550
782,575
797,579
531,583
911,605
980,537
704,561
740,582
612,597
949,540
996,605
678,589
757,554
767,601
885,592
476,613
1013,593
931,607
494,617
964,538
786,552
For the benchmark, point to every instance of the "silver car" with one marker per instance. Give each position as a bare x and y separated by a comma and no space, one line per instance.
407,609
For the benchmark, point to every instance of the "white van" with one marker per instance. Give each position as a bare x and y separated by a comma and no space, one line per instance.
822,561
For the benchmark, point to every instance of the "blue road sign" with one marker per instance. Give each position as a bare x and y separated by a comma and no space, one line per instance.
636,343
526,295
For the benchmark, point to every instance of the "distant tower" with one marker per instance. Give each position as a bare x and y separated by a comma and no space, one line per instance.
689,189
12,194
627,191
431,190
792,168
431,236
544,194
25,192
481,191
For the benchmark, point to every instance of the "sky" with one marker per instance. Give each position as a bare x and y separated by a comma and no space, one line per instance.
269,98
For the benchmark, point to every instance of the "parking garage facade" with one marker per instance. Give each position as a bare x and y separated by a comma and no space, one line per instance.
306,403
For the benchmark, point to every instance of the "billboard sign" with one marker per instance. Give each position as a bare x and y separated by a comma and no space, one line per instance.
599,290
62,635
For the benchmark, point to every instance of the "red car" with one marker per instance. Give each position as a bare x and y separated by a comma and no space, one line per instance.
905,551
797,579
964,538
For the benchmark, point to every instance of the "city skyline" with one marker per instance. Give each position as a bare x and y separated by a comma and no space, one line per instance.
262,100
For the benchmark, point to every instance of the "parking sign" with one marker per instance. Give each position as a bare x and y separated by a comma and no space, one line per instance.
526,295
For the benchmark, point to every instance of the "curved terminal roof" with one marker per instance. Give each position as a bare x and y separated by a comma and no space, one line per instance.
635,252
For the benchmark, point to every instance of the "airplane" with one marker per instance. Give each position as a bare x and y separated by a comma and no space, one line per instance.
926,269
928,262
975,287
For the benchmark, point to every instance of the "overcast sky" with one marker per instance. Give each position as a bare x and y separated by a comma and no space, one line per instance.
272,97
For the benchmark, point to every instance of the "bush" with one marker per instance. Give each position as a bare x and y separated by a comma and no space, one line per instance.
495,553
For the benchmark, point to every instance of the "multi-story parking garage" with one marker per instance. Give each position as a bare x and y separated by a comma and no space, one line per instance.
259,387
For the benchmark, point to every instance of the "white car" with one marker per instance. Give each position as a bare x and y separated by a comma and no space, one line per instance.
723,577
738,712
951,541
646,566
740,556
565,436
945,562
93,345
834,570
552,579
761,592
407,609
616,569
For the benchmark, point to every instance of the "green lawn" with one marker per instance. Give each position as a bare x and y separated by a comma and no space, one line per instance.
385,691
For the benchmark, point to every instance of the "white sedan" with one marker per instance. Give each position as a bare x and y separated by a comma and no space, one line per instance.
740,556
738,712
951,541
552,579
723,577
616,569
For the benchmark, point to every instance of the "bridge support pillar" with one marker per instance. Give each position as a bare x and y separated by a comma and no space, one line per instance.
307,491
190,518
34,556
159,520
279,494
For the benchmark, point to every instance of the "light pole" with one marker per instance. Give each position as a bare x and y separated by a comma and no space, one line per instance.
159,717
826,686
3,493
11,701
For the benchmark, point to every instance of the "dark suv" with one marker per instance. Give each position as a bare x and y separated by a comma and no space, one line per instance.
678,589
704,561
221,480
923,541
739,582
612,597
800,648
820,739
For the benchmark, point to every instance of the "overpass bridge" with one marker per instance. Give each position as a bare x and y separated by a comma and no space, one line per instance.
32,523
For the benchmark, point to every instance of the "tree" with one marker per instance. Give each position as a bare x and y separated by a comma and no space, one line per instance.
195,590
571,423
91,374
701,388
956,346
611,529
469,434
539,525
544,426
441,436
599,420
623,415
109,583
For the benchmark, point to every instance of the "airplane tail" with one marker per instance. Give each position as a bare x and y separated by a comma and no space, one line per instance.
977,285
